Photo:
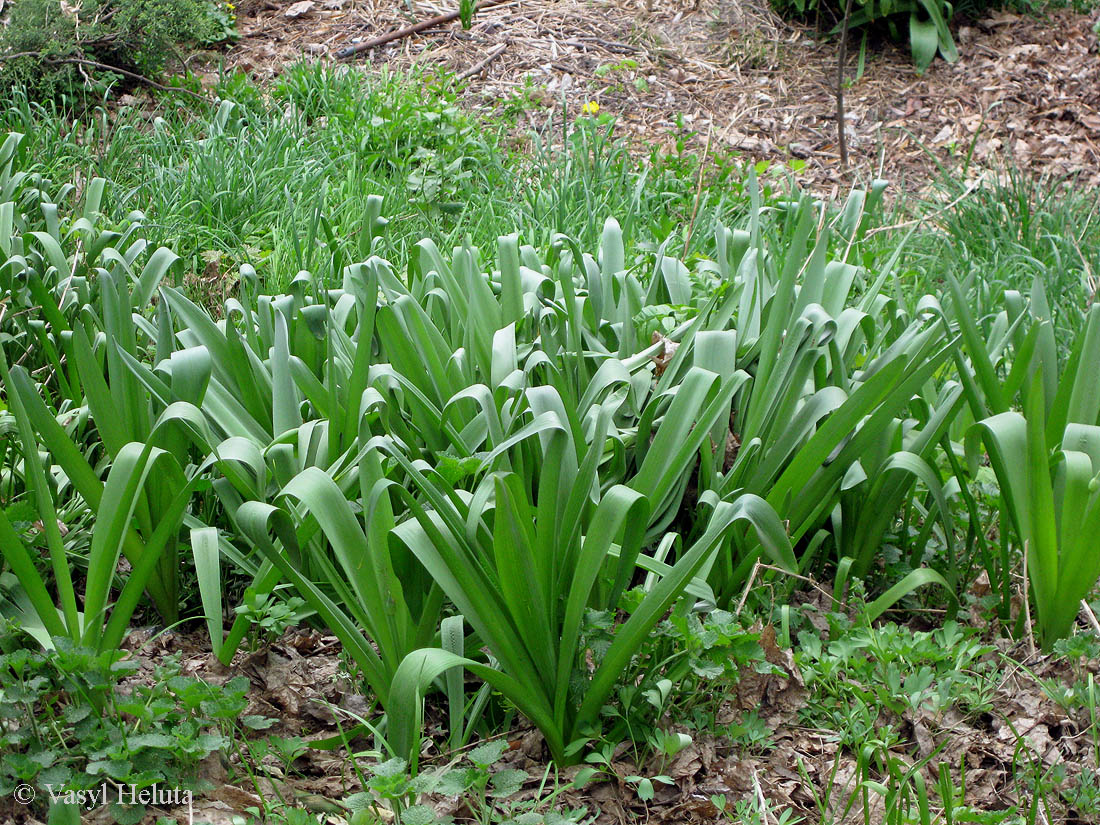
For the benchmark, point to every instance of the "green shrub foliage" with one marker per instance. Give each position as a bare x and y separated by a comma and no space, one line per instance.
45,38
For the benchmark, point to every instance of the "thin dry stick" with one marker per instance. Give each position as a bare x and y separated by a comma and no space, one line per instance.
852,239
1090,280
760,800
1027,609
842,139
1039,807
698,192
72,274
971,188
806,579
748,587
1090,616
479,67
415,28
140,78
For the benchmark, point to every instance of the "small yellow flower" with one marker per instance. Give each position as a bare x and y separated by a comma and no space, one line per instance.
591,107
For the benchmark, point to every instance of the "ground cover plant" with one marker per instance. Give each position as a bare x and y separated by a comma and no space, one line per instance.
581,502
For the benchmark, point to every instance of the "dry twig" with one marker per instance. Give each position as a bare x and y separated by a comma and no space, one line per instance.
970,189
479,67
842,139
698,194
1090,616
1027,610
95,64
398,34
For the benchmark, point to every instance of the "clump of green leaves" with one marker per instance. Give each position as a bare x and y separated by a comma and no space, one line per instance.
51,48
683,679
753,811
143,34
1083,794
269,616
478,777
924,20
70,723
38,35
865,677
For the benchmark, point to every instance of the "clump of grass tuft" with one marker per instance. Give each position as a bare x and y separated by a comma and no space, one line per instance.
1011,231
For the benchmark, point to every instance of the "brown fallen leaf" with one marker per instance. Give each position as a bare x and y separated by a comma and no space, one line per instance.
299,9
661,359
776,698
236,798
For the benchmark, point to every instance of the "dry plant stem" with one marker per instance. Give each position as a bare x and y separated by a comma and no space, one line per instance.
748,587
1042,813
479,67
1027,609
761,566
852,238
1090,616
698,193
398,34
970,190
760,800
1091,282
80,61
72,274
842,140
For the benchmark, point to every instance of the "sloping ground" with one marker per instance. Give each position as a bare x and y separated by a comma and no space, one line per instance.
1025,91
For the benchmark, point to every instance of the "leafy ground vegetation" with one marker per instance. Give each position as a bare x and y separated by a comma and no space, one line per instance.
357,466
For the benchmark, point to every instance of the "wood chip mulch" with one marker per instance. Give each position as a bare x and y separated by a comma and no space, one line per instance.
1025,91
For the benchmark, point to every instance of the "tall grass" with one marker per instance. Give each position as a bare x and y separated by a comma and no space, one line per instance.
1009,231
244,179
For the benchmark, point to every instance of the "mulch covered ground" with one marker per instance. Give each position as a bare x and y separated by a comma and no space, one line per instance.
1025,91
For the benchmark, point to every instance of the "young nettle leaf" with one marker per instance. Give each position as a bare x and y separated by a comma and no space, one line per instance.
127,814
488,754
149,740
454,470
419,815
456,782
255,722
505,783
